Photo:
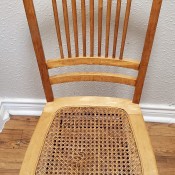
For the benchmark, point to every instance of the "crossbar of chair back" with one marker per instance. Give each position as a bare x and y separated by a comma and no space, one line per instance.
92,59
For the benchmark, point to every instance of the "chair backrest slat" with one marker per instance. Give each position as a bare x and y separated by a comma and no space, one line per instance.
116,28
92,58
91,28
66,23
83,17
100,13
74,14
125,28
57,25
108,19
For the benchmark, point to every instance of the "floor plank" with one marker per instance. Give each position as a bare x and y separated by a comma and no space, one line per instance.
163,145
161,129
17,133
22,122
10,138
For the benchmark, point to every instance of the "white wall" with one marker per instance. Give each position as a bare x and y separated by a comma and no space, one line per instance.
19,75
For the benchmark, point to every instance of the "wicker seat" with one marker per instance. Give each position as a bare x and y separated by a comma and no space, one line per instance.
90,135
89,140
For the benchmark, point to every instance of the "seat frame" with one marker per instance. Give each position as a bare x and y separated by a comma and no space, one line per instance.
134,114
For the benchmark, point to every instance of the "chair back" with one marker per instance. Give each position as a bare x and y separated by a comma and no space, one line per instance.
68,59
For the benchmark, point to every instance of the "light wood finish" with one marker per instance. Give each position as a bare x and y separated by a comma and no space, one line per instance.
74,14
66,23
108,19
37,44
116,28
83,16
156,6
125,28
135,117
126,63
17,133
93,76
100,12
91,28
57,25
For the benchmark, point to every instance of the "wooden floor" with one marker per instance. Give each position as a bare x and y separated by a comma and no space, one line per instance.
18,131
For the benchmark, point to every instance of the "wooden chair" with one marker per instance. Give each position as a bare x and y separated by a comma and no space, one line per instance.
91,135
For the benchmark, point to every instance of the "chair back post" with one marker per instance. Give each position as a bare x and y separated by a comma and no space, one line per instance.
39,52
152,25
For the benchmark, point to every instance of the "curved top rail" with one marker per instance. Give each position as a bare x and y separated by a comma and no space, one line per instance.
130,64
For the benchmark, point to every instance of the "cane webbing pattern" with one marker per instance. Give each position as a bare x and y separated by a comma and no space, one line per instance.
90,141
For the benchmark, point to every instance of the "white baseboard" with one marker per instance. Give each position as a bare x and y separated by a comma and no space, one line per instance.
158,113
27,107
23,107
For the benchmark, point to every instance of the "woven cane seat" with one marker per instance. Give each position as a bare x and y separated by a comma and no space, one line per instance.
89,141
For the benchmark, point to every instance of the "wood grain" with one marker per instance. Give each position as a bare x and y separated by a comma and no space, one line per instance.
91,28
100,12
74,14
126,63
37,44
125,28
83,17
66,23
116,28
108,19
14,141
154,16
57,25
93,76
